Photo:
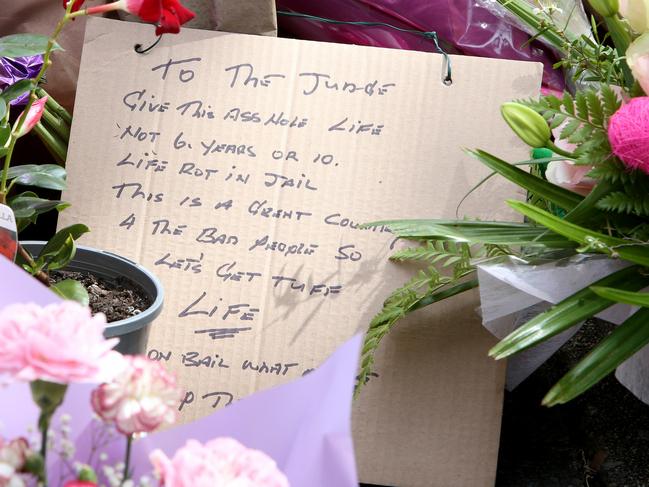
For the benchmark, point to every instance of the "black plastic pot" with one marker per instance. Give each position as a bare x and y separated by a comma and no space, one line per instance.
134,331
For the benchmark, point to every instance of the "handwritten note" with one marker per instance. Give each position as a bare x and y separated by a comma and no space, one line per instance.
239,169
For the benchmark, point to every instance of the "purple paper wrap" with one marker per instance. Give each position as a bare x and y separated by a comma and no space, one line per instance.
463,24
305,425
13,70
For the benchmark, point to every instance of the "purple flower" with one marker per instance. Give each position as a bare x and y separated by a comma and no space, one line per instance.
13,70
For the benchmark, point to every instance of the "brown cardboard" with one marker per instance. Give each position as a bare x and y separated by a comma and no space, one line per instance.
432,416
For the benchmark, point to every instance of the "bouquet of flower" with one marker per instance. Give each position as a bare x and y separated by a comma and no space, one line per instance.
588,191
60,344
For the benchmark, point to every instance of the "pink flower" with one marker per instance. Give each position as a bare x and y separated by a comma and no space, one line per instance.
140,399
565,173
222,462
59,343
570,176
13,456
33,116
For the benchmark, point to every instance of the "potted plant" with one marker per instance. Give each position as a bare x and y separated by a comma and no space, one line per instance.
59,262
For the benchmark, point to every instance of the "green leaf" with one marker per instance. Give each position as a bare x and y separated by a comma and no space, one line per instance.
623,342
18,45
582,106
567,313
72,290
495,233
591,240
14,91
59,257
53,170
611,101
540,187
73,231
3,112
587,209
29,206
569,129
568,104
620,296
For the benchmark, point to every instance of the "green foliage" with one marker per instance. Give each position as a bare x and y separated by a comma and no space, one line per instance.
583,119
12,92
450,266
621,344
569,312
18,45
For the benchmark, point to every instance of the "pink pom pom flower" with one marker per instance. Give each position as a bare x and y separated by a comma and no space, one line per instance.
140,399
628,133
59,343
222,462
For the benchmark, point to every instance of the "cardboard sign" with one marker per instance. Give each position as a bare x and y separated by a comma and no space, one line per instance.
238,169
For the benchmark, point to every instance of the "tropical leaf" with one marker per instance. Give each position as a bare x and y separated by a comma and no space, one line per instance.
540,187
569,312
592,241
623,342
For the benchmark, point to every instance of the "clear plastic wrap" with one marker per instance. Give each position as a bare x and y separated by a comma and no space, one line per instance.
464,27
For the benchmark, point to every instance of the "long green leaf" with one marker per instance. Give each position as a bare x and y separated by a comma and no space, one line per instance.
496,233
587,209
594,241
623,342
620,296
534,184
567,313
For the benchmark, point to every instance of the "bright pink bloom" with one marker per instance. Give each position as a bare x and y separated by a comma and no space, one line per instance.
80,483
13,456
222,462
140,399
167,15
57,343
33,116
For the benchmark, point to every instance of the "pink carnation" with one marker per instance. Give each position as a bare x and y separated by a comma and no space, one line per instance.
222,462
57,343
140,400
13,455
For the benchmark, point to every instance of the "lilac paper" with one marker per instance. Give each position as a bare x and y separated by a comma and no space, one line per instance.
13,70
304,425
16,286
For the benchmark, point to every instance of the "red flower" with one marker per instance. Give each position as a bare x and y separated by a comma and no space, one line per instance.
167,15
77,4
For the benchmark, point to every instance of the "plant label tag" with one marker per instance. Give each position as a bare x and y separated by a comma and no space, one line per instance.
8,233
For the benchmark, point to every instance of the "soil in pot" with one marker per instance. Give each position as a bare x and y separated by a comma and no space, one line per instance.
117,300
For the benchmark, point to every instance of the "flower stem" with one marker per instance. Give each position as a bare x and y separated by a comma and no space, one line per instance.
559,151
54,106
57,147
127,458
